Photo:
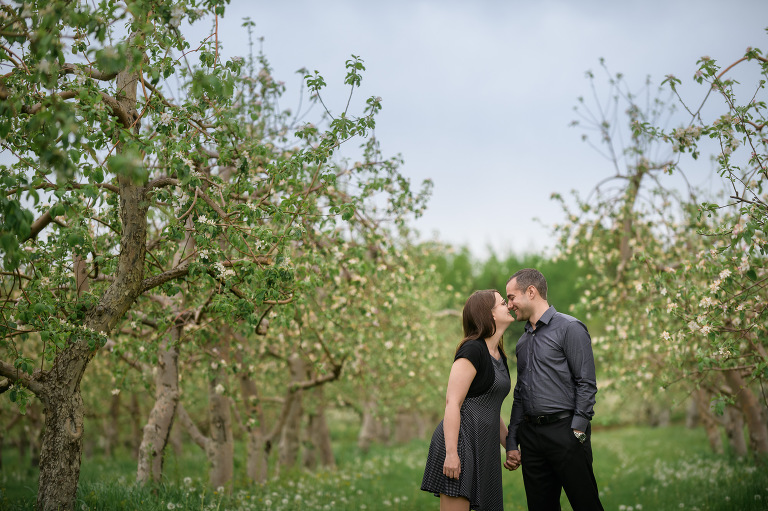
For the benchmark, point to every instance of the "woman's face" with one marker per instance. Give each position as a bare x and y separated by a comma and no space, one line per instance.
501,314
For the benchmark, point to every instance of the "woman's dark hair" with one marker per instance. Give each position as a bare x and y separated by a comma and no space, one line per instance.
477,317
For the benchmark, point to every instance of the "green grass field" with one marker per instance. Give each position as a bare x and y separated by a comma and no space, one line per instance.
637,469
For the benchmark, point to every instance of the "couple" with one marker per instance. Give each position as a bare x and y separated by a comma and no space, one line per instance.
549,432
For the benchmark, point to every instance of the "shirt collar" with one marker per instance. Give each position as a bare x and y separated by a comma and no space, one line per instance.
544,319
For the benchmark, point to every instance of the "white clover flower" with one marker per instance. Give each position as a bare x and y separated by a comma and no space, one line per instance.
214,365
141,349
187,481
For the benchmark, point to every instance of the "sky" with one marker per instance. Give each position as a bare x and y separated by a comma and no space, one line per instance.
478,95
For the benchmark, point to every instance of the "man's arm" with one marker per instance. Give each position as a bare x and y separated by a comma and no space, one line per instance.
581,362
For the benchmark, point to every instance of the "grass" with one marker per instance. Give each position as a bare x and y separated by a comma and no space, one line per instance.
637,469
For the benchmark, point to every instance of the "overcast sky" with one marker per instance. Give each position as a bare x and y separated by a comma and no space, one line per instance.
478,95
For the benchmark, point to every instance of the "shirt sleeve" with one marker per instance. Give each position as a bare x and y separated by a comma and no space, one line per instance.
515,418
471,351
581,362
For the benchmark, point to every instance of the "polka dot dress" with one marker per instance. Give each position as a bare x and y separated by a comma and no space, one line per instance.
479,449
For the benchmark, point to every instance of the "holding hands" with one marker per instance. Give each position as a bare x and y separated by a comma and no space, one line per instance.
513,460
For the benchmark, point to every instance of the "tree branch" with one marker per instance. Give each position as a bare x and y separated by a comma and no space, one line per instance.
156,280
87,71
186,421
16,376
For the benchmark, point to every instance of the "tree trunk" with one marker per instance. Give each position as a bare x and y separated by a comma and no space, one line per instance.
734,430
319,449
112,426
221,445
407,426
692,415
372,429
160,421
752,410
291,432
134,441
708,421
175,440
258,446
59,387
257,465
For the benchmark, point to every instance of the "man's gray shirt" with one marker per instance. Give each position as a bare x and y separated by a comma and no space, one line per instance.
555,372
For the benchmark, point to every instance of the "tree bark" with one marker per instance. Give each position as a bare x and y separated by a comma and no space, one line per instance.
59,387
319,448
258,446
708,421
291,432
734,430
160,421
752,410
134,441
112,426
372,429
221,445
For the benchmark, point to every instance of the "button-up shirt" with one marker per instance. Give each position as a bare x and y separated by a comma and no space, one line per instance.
555,372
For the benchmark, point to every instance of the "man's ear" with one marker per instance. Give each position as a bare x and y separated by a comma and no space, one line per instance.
532,292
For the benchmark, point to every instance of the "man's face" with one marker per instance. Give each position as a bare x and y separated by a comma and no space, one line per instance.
518,302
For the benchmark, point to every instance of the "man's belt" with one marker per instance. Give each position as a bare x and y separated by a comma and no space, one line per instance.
546,419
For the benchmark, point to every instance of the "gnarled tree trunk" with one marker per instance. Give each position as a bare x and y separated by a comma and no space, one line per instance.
59,387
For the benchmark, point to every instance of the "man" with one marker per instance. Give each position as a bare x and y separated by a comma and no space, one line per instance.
553,400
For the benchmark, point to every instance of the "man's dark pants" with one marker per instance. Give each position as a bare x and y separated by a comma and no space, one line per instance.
554,459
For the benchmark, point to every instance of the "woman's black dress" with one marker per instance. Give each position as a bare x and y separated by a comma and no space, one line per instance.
479,449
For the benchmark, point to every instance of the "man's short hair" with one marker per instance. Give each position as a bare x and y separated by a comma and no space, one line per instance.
530,277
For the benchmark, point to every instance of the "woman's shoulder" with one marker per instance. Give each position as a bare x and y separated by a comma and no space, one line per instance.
475,350
472,346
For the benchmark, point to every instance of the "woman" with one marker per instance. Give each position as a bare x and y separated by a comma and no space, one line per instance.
464,461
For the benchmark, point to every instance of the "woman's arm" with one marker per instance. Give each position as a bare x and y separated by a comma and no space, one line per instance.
462,374
503,433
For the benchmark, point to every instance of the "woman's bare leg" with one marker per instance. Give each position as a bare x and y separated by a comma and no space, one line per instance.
453,503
